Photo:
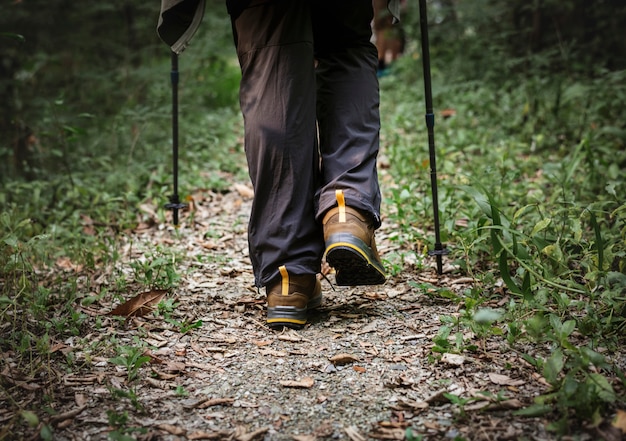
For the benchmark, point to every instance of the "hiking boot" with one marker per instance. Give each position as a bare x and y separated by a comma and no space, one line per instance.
350,246
289,299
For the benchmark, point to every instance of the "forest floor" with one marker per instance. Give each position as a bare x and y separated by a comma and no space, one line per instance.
362,369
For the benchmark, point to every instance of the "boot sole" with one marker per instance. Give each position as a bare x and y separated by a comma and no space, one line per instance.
354,261
289,316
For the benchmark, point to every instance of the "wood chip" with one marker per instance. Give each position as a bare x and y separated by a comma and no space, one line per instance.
305,383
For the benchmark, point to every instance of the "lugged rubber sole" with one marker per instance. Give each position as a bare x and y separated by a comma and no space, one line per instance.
290,316
354,261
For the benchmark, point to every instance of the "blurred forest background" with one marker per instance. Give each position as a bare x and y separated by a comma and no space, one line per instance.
97,71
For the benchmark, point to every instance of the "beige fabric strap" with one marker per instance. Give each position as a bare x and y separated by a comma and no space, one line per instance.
341,203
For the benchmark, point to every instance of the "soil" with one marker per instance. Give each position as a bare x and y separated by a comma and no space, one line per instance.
362,369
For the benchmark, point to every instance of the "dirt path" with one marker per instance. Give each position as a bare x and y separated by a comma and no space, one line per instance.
362,369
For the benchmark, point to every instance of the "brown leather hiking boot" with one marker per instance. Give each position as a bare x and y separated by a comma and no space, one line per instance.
289,299
350,246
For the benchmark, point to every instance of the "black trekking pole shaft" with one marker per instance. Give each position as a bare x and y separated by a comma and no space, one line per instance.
430,125
175,203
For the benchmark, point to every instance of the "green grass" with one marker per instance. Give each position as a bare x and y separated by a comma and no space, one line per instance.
531,195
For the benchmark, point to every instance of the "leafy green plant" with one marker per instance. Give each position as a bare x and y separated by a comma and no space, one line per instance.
121,431
130,394
409,435
165,307
185,326
460,402
181,391
156,270
132,359
443,341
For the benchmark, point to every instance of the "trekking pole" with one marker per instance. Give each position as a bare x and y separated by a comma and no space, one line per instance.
439,250
175,203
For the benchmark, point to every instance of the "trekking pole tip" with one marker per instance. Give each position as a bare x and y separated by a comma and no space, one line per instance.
439,252
175,205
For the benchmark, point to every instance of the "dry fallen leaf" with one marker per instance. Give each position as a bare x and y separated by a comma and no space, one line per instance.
620,421
163,375
353,434
340,359
452,359
391,433
513,403
57,347
241,435
476,406
203,404
294,338
171,429
304,438
415,406
504,380
65,263
139,305
447,113
55,419
175,366
437,397
400,381
272,352
326,269
215,402
306,382
244,191
262,342
80,399
209,435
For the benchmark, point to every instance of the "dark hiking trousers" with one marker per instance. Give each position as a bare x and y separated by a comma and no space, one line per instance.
308,87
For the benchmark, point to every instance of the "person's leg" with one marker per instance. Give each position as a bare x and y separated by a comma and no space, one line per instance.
348,102
274,44
349,125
